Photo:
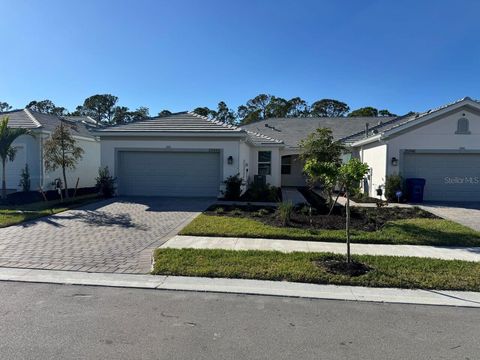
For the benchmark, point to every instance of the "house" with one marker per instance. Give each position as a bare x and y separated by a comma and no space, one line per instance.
185,154
440,145
30,149
190,155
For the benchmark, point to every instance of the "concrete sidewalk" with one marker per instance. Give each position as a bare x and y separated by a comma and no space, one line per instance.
437,252
241,286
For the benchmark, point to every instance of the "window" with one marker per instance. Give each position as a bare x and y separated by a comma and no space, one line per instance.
286,165
462,126
264,162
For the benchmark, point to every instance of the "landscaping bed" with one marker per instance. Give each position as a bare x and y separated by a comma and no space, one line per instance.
365,219
383,271
12,215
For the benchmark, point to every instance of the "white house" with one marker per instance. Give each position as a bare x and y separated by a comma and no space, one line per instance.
185,155
30,150
441,146
189,155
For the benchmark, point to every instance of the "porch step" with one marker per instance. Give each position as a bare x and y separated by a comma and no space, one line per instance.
292,194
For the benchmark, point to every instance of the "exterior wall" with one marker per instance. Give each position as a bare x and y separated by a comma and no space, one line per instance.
437,135
86,170
275,177
227,147
244,156
28,153
375,155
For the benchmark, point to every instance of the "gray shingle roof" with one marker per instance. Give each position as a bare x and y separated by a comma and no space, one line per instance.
28,119
179,122
292,130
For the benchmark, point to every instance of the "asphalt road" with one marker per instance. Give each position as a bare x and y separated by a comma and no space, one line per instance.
41,321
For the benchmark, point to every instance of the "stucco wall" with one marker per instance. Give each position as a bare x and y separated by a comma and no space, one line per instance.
274,178
375,155
28,150
437,135
86,170
228,147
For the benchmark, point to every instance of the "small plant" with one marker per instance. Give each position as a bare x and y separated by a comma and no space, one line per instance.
105,183
233,188
236,212
261,213
219,211
263,192
284,212
25,179
393,184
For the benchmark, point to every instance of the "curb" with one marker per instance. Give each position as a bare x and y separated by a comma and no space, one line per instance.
246,287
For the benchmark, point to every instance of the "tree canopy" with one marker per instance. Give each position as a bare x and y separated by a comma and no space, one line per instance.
4,106
46,107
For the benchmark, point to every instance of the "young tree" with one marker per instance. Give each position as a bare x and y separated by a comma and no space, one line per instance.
61,151
349,176
7,151
322,157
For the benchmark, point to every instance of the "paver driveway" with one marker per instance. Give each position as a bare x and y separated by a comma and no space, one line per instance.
467,214
116,235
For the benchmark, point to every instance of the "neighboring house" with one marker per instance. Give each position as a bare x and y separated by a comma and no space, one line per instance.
185,155
440,145
189,155
30,149
291,131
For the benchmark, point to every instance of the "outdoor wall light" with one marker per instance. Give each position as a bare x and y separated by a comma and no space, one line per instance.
230,160
394,161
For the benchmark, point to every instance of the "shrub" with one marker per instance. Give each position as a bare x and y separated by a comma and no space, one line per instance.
25,179
219,211
284,212
105,183
236,212
262,192
393,183
233,188
261,213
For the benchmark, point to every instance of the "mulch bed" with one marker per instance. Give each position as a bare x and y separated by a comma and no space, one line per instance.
366,219
341,267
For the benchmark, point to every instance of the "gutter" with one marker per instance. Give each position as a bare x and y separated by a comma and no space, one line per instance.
368,140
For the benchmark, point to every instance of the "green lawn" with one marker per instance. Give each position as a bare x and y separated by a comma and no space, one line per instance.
12,215
388,271
411,231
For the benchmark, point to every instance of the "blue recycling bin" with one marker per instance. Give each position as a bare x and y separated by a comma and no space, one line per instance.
415,190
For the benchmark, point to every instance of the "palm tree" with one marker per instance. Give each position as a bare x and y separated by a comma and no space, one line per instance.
7,151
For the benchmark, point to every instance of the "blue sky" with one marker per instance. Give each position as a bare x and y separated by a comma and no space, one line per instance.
179,54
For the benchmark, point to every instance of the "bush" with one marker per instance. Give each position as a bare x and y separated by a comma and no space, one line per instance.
25,179
219,211
262,192
284,212
233,188
261,213
393,183
105,183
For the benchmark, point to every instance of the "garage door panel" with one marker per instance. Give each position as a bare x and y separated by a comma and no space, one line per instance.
449,177
156,173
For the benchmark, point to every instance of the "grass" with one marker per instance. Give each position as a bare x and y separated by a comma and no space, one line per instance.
388,271
419,231
12,215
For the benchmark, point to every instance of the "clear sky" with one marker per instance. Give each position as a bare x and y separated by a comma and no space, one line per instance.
180,54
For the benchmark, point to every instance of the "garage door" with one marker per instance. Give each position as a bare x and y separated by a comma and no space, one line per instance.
449,177
154,173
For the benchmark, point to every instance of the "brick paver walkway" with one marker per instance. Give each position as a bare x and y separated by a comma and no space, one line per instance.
112,236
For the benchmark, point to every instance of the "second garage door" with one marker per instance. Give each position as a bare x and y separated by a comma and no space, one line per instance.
158,173
449,176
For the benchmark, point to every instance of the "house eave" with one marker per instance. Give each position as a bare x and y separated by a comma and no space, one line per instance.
368,140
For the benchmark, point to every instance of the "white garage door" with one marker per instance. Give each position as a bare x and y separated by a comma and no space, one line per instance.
449,177
155,173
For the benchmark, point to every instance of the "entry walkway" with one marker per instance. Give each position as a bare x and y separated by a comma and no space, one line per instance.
437,252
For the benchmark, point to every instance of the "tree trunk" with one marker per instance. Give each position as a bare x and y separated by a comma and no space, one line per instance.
65,183
347,226
4,182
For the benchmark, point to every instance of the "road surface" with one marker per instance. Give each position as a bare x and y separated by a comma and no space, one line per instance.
42,321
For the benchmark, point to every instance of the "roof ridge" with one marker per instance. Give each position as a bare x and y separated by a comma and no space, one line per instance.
262,136
218,122
30,115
